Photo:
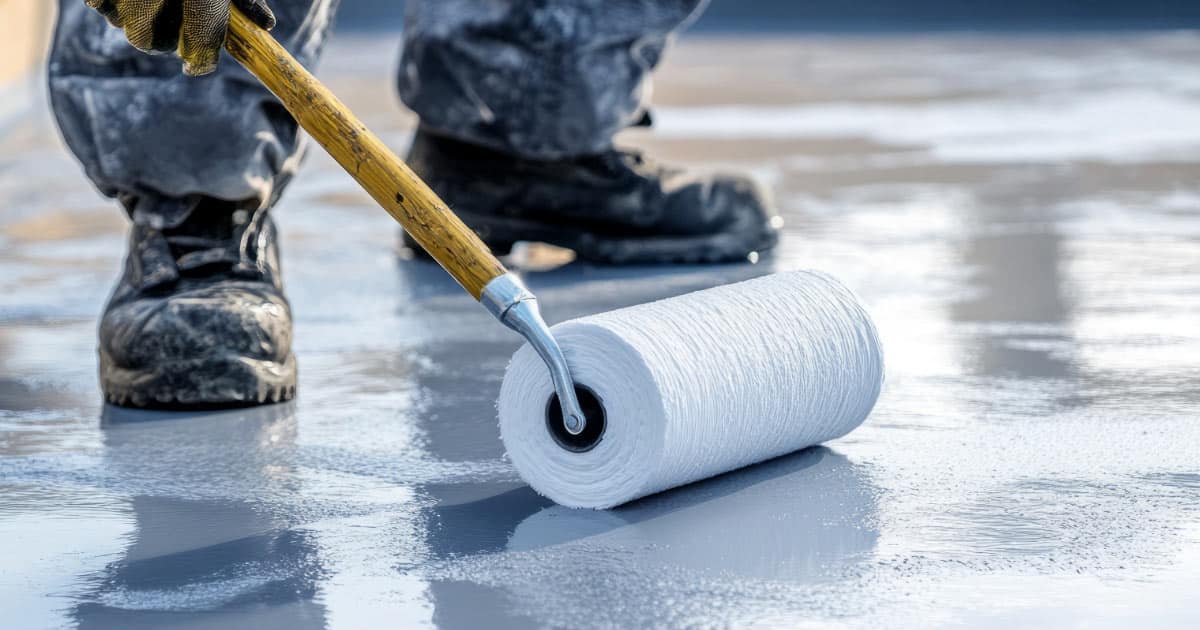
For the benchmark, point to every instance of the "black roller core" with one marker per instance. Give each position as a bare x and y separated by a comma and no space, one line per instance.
593,410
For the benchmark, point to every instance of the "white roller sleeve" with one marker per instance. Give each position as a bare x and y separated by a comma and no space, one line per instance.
697,385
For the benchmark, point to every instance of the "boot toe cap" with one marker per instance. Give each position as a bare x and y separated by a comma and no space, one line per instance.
228,320
737,207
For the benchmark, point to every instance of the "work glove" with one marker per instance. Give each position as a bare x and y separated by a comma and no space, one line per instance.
193,28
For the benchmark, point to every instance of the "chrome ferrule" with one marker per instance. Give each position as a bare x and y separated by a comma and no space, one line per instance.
509,301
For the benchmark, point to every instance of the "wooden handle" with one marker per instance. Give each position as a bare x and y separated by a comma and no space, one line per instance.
393,185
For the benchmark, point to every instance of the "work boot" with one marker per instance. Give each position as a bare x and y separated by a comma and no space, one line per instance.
611,208
198,319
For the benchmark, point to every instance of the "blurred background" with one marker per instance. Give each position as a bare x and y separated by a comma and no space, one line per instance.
26,20
26,23
885,15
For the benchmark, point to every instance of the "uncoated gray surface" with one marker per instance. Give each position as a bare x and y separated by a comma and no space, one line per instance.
1020,213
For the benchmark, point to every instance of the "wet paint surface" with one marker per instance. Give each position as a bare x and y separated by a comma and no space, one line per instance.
1033,459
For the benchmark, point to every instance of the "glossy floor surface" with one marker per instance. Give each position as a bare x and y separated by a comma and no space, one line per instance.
1021,214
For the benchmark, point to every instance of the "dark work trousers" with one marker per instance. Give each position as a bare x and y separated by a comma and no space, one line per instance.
536,78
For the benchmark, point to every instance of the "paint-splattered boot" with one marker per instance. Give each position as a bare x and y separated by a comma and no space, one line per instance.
611,208
198,319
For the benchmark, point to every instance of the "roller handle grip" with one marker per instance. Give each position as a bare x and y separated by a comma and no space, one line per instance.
379,171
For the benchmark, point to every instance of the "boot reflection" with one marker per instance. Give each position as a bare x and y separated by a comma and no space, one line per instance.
211,542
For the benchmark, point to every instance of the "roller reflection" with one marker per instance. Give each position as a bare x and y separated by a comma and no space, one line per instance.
793,518
802,519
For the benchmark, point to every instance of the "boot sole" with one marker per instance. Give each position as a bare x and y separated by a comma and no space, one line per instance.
205,383
502,234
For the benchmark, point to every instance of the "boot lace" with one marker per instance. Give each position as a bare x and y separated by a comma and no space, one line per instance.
237,255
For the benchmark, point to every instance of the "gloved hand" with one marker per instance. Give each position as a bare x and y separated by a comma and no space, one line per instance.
193,28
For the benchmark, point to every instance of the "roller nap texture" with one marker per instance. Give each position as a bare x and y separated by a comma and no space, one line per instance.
697,385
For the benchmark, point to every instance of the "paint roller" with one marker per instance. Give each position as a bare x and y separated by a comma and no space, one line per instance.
644,398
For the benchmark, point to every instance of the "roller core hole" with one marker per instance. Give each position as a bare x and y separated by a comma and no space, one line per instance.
593,410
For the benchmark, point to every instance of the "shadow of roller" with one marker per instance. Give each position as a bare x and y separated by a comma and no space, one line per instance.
790,518
479,518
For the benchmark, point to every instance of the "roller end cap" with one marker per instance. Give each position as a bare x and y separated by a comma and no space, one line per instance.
593,429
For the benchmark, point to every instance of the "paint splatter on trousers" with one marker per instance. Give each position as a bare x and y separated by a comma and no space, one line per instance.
537,78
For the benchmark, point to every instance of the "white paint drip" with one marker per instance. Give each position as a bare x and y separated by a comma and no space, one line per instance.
698,385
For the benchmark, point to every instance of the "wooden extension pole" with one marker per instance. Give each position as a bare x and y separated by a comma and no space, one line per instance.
379,171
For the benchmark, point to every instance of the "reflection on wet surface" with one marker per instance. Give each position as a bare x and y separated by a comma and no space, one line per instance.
202,541
1033,458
